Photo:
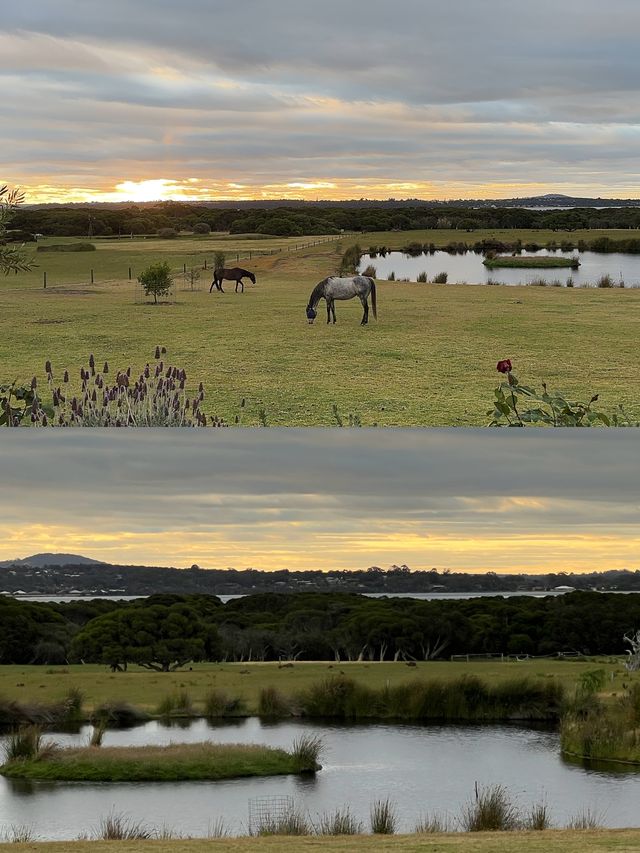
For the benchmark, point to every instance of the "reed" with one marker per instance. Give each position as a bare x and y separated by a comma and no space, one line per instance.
306,752
27,744
293,822
431,824
440,278
18,834
369,271
339,822
490,811
120,827
176,704
422,278
585,820
538,818
383,817
218,703
273,703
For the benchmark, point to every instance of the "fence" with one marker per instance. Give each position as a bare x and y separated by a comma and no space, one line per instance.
268,811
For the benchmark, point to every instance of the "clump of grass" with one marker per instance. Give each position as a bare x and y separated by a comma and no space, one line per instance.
604,281
538,817
340,822
431,824
292,822
441,278
383,817
569,281
72,704
490,811
538,282
306,752
351,259
120,827
218,703
18,834
27,744
218,828
176,704
422,278
369,271
272,703
587,819
493,282
338,697
118,714
391,276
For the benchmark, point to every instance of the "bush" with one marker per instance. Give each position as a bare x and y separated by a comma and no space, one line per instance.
440,278
422,278
491,811
306,751
369,271
217,703
178,703
167,233
340,822
202,228
383,818
156,280
272,703
68,247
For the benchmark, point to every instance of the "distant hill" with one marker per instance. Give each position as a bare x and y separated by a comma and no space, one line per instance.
39,561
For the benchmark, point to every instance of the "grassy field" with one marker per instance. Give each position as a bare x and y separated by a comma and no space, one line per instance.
560,841
145,689
524,262
429,360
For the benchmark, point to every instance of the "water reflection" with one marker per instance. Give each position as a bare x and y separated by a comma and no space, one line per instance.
468,268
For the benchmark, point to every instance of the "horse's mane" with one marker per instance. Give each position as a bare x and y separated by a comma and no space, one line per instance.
317,293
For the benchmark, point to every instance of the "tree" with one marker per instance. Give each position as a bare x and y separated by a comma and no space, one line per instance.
202,228
11,259
158,637
156,280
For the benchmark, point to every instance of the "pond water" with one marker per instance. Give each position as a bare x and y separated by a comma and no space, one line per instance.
421,768
469,268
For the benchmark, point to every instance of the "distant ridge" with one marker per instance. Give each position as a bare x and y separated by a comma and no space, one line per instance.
39,561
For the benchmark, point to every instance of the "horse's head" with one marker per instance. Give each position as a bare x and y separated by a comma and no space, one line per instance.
311,314
252,277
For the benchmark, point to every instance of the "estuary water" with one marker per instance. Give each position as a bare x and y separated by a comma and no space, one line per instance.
421,768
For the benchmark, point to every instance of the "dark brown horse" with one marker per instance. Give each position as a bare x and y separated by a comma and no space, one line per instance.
233,274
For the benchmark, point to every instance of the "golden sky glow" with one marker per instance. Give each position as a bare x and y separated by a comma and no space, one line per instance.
468,500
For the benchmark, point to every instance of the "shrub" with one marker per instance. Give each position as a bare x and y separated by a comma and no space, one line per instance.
219,259
179,704
27,744
167,233
422,277
604,281
118,827
217,703
440,278
383,817
118,714
202,228
156,280
391,276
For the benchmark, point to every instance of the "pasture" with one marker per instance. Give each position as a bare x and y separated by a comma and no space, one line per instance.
429,360
146,689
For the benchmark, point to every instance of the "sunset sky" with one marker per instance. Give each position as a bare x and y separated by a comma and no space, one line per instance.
222,99
475,500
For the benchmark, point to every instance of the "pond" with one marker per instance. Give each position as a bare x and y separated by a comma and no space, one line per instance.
468,268
421,768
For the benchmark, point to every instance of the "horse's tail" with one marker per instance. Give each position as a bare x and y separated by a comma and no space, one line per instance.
373,298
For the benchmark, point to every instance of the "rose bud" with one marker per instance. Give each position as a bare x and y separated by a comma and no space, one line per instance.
504,366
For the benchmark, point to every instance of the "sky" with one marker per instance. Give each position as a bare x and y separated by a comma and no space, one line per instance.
472,500
299,99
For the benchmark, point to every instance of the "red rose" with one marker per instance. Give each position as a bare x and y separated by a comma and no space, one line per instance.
504,366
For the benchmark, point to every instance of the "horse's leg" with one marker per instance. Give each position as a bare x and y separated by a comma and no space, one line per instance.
241,283
328,311
212,283
333,310
365,316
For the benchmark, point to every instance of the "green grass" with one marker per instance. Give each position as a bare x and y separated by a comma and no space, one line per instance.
552,841
144,689
527,262
173,763
429,360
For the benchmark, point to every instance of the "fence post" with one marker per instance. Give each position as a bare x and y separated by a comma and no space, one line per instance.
237,258
184,269
205,263
129,273
92,276
44,280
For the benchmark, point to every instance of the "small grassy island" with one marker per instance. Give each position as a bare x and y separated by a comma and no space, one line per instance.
173,763
530,262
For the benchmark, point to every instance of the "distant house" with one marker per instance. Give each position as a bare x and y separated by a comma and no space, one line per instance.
564,589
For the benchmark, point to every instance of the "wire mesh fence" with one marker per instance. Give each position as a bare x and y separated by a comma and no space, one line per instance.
268,811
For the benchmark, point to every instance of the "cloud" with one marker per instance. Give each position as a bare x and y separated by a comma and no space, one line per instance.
316,498
448,96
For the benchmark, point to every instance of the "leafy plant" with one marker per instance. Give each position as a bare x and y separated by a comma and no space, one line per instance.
384,819
20,402
521,405
12,259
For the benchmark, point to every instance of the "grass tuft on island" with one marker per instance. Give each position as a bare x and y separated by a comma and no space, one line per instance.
173,763
530,262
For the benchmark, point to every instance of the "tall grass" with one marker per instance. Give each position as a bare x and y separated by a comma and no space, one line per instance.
120,827
27,744
18,834
97,734
339,822
538,817
422,278
431,824
440,278
383,817
586,819
72,704
118,714
306,752
369,271
273,703
293,822
490,811
176,704
218,703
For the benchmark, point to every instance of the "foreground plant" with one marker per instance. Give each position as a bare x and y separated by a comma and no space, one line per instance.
519,405
156,397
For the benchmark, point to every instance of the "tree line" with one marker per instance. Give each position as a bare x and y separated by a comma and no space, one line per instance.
170,218
167,631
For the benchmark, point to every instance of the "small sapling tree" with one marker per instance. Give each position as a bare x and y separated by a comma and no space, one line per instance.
156,280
